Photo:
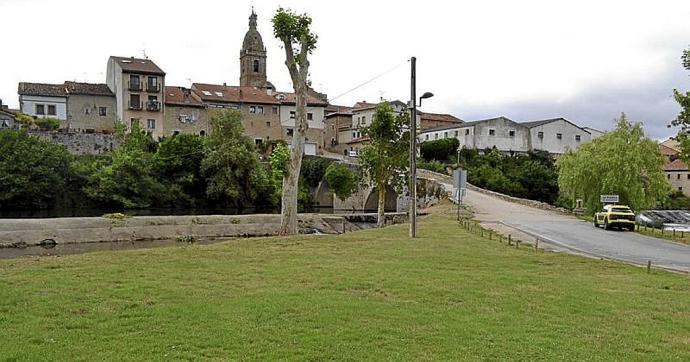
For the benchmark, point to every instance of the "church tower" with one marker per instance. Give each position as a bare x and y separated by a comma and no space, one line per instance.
253,57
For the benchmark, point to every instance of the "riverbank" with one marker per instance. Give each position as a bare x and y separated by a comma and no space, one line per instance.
18,233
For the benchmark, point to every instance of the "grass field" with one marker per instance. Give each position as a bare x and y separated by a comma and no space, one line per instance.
369,295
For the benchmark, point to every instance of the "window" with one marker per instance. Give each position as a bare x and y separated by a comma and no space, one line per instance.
577,138
206,93
268,124
252,109
457,133
668,176
152,84
87,110
559,136
310,116
260,110
134,83
40,109
511,133
492,132
354,134
151,123
258,141
256,66
292,114
467,131
218,94
680,188
290,132
445,134
133,122
540,134
202,133
51,110
435,136
364,120
134,101
102,111
427,137
175,133
275,110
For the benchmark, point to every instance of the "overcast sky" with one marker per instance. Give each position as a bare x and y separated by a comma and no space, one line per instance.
587,61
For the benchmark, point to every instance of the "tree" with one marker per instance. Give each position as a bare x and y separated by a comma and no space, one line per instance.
683,119
177,164
440,150
623,162
384,160
341,180
231,165
298,40
33,172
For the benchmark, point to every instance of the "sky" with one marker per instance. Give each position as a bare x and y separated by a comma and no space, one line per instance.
584,60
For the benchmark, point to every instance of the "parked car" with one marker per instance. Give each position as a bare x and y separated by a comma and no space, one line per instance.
615,216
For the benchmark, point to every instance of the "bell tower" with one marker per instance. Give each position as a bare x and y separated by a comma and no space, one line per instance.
253,57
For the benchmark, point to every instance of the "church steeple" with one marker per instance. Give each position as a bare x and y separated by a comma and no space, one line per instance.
253,57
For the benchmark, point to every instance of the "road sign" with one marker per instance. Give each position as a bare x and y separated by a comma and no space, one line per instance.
609,199
460,179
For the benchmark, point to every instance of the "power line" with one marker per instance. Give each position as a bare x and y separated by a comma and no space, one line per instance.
369,81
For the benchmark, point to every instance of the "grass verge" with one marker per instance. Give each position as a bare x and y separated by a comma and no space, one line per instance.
369,295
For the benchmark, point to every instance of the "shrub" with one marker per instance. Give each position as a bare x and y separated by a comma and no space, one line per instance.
341,180
440,150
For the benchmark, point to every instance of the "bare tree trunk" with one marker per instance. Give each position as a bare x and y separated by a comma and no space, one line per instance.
381,221
288,212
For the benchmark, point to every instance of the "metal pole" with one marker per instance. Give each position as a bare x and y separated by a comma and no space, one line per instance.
413,147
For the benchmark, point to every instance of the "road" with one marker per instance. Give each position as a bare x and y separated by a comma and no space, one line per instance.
568,233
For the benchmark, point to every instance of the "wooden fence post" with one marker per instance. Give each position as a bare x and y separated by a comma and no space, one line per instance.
509,240
649,266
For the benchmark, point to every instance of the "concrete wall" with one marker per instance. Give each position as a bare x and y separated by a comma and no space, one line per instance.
28,104
188,120
81,143
83,113
551,143
501,138
679,181
465,135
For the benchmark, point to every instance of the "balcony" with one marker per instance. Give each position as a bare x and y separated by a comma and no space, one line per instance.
134,86
135,105
154,106
153,88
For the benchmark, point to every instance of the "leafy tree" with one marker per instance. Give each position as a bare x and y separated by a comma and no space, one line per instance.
279,159
231,165
314,169
341,180
177,163
623,162
298,40
128,181
384,159
440,150
33,172
683,119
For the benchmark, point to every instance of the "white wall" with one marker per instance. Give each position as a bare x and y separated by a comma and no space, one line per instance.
317,122
28,106
550,142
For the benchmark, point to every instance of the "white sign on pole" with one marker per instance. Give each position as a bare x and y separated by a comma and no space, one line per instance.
609,199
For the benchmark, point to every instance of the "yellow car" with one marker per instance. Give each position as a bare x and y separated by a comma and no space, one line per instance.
619,216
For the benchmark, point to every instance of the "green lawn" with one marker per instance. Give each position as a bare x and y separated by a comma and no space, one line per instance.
368,295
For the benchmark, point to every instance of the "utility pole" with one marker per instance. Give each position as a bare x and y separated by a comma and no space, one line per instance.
413,148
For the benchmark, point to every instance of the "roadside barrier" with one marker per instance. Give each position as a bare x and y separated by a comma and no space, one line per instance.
490,234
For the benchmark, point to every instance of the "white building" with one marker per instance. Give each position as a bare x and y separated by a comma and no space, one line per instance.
552,135
43,100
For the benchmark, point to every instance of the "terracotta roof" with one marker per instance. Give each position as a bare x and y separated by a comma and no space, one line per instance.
237,94
181,96
671,143
96,89
233,94
364,104
333,108
42,89
136,65
442,117
668,151
676,165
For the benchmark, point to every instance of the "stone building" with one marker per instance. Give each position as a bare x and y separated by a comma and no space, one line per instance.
184,113
552,135
138,88
677,171
7,117
90,107
337,131
253,58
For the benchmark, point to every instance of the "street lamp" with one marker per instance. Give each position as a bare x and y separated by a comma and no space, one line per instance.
413,144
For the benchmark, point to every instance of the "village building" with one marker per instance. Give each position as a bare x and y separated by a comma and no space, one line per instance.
184,113
43,100
138,87
7,117
677,171
555,136
90,107
431,120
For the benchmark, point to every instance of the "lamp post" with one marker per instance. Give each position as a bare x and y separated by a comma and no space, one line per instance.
413,144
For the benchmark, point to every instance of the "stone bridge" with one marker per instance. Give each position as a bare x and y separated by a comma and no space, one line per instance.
429,192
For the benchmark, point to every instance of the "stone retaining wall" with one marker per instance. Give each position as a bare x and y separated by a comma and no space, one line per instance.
31,232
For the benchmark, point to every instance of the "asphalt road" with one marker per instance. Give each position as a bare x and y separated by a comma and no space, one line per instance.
568,233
